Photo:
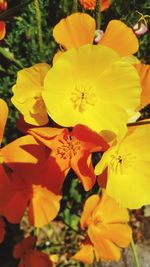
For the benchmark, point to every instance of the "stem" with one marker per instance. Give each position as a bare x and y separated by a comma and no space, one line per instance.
137,263
75,6
39,27
138,123
98,14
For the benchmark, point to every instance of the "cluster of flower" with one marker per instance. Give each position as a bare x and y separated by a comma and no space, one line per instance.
90,94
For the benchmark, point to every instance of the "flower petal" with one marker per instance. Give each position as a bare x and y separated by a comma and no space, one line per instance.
89,206
91,140
109,210
66,32
82,166
85,254
3,117
104,247
44,206
30,104
120,234
144,72
120,38
2,30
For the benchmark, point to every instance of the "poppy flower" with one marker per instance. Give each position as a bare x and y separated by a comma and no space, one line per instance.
72,150
107,229
66,33
144,73
27,170
27,94
82,92
24,176
29,256
128,164
2,229
91,4
3,7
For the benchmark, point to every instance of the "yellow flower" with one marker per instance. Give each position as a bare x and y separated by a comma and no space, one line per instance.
92,86
128,163
27,94
118,36
107,229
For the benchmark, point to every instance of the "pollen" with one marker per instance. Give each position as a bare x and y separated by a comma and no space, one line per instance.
82,96
68,148
121,161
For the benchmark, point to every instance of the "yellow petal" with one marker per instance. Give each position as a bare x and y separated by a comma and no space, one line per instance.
81,94
3,117
128,167
120,38
27,94
66,32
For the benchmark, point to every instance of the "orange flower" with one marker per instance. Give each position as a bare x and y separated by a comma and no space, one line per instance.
24,177
91,4
72,150
3,7
107,229
29,256
118,36
144,73
2,229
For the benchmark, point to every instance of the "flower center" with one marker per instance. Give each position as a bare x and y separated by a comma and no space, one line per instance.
68,147
82,96
120,162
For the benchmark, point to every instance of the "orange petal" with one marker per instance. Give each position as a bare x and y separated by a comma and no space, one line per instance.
3,117
89,206
105,4
24,246
102,179
82,166
2,30
36,258
14,206
4,186
25,156
144,73
109,210
57,56
91,141
118,233
44,206
66,32
120,38
2,230
45,134
104,247
85,254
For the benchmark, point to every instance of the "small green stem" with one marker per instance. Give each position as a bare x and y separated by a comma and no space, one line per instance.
98,14
39,22
75,6
137,263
